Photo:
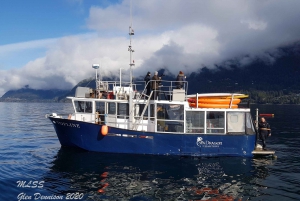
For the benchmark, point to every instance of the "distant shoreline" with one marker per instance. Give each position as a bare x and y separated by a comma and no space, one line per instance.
36,101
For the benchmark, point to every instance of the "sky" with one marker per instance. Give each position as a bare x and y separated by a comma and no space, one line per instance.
53,44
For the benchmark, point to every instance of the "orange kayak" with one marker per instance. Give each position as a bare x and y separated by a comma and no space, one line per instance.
220,96
212,105
216,100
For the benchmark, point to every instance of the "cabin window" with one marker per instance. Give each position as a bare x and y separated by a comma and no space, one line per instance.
249,124
175,112
139,110
100,108
152,114
240,123
111,108
123,110
195,122
170,117
83,106
215,122
161,112
170,126
236,122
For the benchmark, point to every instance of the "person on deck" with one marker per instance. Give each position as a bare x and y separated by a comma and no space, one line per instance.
180,80
264,131
155,85
148,84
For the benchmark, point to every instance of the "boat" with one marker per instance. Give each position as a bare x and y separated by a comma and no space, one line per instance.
118,117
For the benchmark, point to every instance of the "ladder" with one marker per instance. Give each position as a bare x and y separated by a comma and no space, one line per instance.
136,124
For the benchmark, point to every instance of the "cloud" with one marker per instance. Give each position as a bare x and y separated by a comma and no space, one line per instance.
68,62
177,35
6,49
215,31
256,25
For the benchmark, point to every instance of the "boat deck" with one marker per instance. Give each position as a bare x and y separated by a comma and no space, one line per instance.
261,153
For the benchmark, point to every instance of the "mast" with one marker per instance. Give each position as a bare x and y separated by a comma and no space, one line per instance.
120,77
131,64
131,33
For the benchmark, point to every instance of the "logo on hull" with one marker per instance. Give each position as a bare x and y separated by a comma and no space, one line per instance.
206,143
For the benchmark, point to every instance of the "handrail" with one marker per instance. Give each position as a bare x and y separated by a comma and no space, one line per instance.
166,87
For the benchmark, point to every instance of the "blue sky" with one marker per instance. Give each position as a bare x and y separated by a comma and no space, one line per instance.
52,44
33,20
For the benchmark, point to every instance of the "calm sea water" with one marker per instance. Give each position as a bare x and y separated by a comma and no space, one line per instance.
33,166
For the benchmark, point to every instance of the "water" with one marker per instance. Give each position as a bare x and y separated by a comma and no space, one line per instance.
31,153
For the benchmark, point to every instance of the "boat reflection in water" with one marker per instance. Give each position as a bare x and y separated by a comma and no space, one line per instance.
99,176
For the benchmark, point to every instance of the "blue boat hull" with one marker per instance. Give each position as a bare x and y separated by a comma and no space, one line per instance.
88,136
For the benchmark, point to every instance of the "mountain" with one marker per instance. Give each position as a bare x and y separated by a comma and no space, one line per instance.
276,83
33,95
90,82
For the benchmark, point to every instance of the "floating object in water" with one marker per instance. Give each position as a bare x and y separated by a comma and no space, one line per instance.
101,190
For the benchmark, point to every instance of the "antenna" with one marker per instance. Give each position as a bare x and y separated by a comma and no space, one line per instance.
96,67
121,76
131,33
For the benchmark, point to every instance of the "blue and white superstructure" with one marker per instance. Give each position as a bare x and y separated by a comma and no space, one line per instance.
118,119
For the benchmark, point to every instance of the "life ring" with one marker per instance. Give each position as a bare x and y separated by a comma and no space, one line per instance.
211,105
104,130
